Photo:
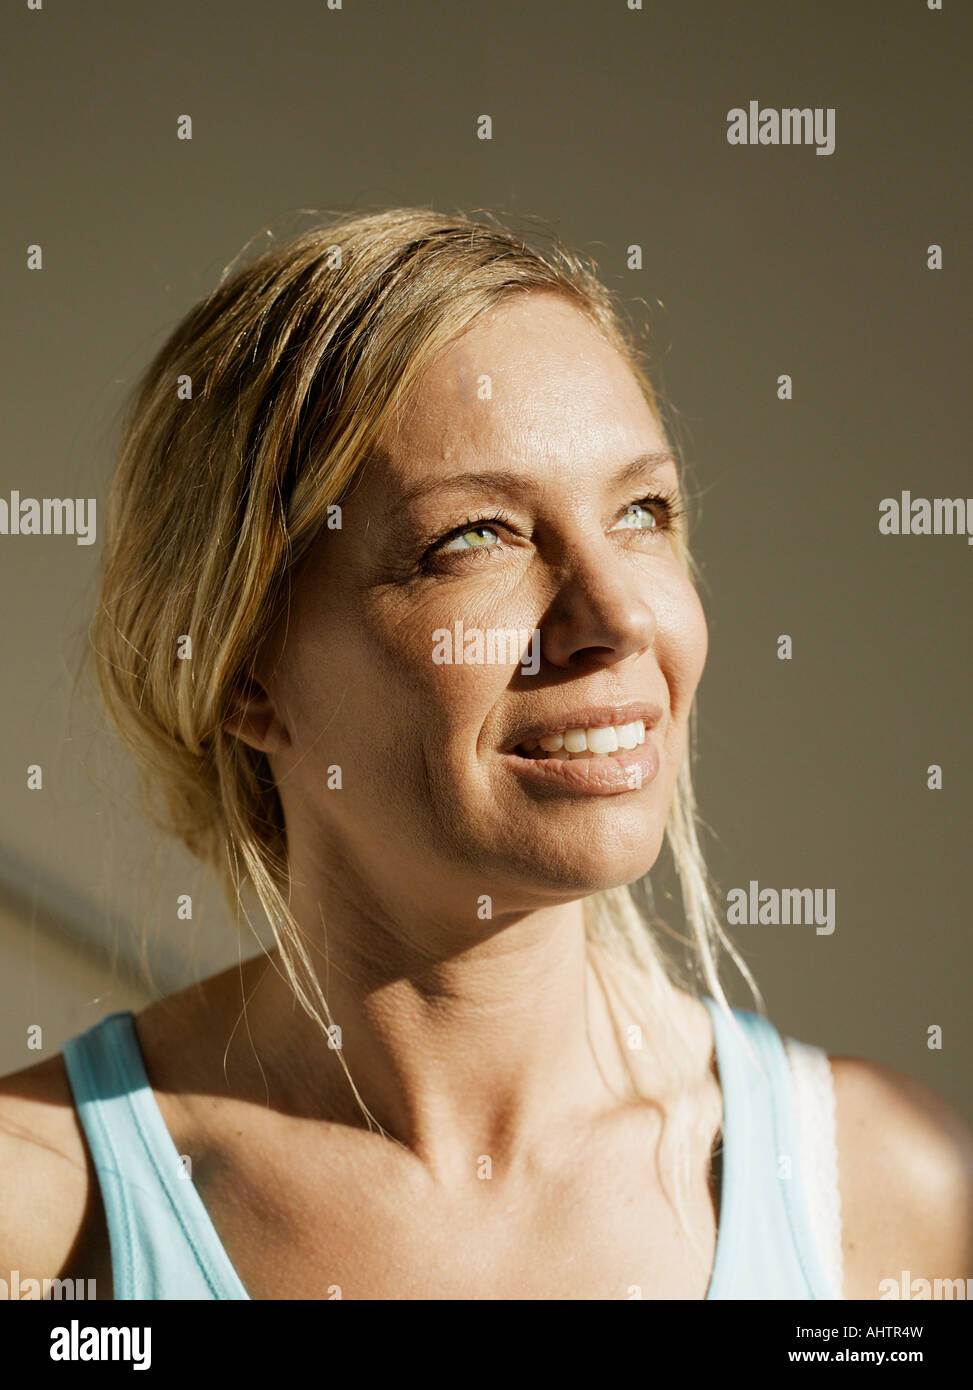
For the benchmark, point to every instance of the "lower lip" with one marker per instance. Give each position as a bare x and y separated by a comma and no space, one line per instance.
600,776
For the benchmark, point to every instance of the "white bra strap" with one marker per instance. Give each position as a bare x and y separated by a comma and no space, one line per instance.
815,1106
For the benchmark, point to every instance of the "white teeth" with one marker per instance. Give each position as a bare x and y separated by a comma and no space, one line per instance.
603,740
631,735
584,743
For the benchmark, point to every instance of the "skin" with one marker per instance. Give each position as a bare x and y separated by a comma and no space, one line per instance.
469,1035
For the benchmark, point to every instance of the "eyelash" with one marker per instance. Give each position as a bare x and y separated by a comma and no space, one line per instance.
672,511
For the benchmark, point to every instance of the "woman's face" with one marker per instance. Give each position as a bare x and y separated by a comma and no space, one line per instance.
533,418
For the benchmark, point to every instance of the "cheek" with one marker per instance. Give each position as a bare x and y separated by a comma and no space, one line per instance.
369,687
682,643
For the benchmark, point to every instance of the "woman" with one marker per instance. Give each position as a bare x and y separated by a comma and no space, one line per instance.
397,618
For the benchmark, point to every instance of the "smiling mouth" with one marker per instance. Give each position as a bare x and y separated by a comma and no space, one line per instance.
577,744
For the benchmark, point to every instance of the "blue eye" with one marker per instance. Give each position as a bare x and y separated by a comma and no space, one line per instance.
634,512
649,515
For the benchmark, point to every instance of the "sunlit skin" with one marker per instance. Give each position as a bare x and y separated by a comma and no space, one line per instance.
464,1031
471,1037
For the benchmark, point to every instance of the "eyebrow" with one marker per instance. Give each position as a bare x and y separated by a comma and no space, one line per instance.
518,484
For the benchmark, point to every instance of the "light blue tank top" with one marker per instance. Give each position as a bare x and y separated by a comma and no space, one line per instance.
164,1246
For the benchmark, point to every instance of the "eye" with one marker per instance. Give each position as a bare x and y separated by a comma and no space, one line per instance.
640,516
457,545
478,537
472,540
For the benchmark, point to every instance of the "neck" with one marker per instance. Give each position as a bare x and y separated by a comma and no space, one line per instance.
476,1049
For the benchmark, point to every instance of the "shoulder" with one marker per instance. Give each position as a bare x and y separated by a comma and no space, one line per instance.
45,1175
52,1220
905,1179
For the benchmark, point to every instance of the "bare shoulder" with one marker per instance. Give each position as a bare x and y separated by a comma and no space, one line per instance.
52,1218
45,1178
905,1178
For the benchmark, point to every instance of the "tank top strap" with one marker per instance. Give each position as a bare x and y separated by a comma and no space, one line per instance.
765,1243
163,1244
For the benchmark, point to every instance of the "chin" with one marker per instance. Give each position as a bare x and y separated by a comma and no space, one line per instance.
599,865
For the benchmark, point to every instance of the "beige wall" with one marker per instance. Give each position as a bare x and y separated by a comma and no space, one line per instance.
609,124
51,983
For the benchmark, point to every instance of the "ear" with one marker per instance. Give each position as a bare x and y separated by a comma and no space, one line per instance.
254,720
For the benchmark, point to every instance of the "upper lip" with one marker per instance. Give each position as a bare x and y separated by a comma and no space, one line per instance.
588,717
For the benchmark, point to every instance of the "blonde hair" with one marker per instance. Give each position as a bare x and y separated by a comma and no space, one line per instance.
250,422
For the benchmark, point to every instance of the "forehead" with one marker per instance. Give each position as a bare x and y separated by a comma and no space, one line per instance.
532,386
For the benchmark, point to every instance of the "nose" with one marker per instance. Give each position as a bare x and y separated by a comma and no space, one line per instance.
602,611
